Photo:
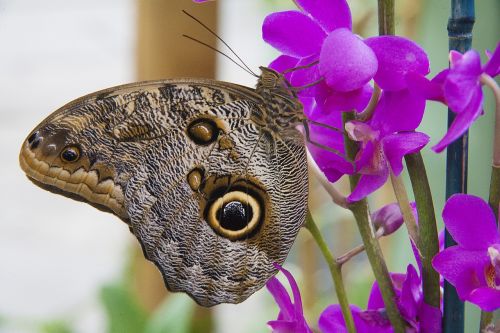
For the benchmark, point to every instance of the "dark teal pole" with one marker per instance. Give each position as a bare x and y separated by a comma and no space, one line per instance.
460,26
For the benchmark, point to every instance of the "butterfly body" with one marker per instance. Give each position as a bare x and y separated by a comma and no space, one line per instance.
211,177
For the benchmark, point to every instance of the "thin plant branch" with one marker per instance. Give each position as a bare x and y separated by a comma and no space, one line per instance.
335,271
404,206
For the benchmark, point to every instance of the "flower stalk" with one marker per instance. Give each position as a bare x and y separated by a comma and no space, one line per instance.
428,244
335,271
372,246
404,205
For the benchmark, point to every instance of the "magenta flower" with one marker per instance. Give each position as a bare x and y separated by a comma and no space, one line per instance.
291,317
322,31
386,138
460,88
331,164
472,266
388,219
419,316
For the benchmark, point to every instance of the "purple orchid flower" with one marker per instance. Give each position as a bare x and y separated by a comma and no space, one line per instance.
301,36
291,316
386,138
322,32
472,266
419,316
459,87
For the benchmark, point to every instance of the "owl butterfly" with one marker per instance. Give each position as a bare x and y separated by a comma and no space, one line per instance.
211,177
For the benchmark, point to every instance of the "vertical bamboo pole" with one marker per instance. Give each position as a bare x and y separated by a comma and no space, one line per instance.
460,26
162,52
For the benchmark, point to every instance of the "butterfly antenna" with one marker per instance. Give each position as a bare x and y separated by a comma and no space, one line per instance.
220,52
222,41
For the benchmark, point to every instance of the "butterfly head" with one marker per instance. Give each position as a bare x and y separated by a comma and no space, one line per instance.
273,81
60,155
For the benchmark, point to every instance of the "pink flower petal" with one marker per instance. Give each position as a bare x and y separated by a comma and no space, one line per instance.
388,217
464,269
332,320
347,101
488,299
282,63
368,184
470,221
492,67
428,89
430,319
330,14
396,57
345,61
306,76
281,297
398,111
462,81
293,33
397,145
462,122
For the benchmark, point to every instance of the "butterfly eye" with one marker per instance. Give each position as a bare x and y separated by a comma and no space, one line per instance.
203,131
235,215
70,154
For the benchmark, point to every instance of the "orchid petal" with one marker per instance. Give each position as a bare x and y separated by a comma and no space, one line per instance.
410,294
283,326
396,57
332,165
281,297
492,67
488,299
428,89
375,300
462,81
332,320
330,14
293,33
398,111
352,100
470,221
388,217
397,145
282,63
462,122
306,76
345,61
430,319
464,269
368,184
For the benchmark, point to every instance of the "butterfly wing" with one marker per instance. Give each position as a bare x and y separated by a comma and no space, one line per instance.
213,198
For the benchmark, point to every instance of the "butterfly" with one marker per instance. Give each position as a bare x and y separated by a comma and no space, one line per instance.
211,177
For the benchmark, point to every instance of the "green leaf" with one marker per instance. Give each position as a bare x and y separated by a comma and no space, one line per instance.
173,315
125,314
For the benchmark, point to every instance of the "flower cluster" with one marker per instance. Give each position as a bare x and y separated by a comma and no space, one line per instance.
321,53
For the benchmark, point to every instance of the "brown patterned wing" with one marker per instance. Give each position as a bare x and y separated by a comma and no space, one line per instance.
213,197
214,211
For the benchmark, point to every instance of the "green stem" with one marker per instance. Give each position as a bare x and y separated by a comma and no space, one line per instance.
335,271
386,17
372,246
428,243
404,205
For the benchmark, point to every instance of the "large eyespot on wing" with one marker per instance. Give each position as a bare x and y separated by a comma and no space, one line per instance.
202,255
